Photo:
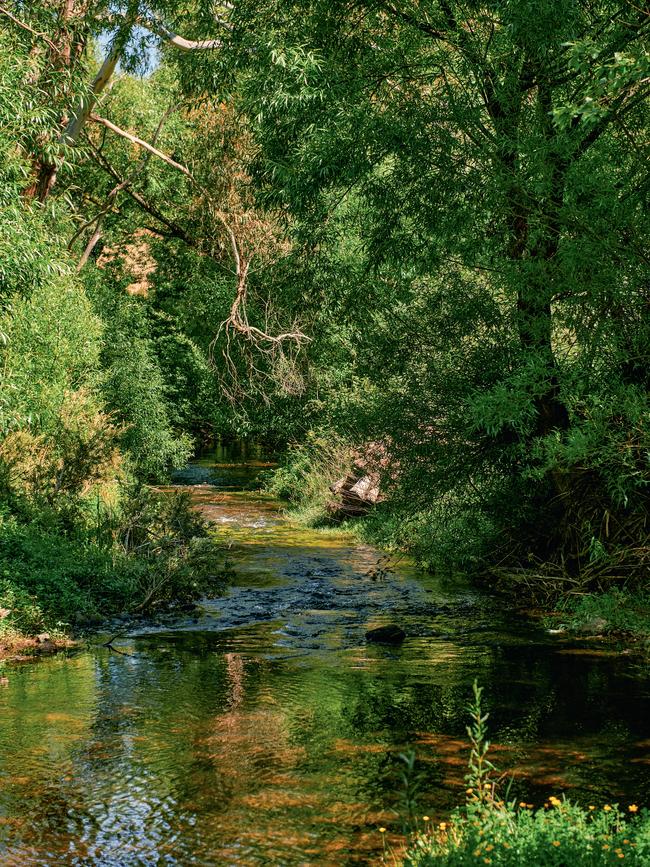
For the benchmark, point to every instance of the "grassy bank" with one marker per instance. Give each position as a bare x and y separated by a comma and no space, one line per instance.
490,829
155,554
593,601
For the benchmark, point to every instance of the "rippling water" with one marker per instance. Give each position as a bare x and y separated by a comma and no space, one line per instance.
268,732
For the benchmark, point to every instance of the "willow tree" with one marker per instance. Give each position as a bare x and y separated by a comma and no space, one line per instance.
494,154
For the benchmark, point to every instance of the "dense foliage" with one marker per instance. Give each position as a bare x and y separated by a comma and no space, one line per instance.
377,228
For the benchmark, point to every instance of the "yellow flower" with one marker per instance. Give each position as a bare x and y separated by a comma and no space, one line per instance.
606,846
442,826
382,830
556,842
607,808
530,806
555,801
477,853
489,848
633,808
487,860
522,803
626,841
425,818
469,791
591,807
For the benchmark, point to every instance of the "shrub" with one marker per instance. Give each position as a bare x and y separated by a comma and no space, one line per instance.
491,830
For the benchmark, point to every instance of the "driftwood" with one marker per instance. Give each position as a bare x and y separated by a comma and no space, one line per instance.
354,497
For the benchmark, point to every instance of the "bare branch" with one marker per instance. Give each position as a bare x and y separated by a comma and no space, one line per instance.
141,143
177,41
82,113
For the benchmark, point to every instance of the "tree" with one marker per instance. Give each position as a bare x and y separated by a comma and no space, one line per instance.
494,154
60,34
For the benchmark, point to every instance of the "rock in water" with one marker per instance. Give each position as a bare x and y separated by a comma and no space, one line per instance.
386,635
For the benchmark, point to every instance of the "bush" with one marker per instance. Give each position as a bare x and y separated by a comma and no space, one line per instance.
490,830
306,473
157,553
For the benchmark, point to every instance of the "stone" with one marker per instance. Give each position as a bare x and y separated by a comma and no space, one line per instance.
389,634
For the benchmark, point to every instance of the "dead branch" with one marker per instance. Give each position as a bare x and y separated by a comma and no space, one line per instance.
134,139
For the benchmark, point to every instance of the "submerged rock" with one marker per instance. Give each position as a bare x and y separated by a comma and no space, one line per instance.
390,634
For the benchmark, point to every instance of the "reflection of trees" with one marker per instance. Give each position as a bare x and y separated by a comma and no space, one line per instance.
44,717
184,742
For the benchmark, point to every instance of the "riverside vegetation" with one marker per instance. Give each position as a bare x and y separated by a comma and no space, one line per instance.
490,829
410,237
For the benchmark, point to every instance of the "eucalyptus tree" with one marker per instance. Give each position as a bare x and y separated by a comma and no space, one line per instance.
61,35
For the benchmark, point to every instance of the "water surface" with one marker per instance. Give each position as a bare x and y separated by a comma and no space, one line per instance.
267,732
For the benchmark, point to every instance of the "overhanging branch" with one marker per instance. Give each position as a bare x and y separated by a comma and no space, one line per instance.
134,139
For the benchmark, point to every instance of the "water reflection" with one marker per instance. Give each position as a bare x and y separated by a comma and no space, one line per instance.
276,740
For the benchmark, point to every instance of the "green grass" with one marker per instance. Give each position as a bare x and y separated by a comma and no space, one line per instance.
489,829
617,611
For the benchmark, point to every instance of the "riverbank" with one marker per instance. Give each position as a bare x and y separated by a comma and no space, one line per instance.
564,606
490,828
264,728
161,558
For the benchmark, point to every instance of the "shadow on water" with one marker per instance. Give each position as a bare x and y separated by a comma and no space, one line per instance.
269,732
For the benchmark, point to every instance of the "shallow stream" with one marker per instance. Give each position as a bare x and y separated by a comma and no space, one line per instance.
266,731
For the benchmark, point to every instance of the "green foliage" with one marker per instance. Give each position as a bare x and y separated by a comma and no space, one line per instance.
134,388
52,579
306,473
481,303
491,830
618,611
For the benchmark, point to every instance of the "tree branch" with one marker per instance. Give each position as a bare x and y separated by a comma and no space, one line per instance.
79,118
177,41
141,143
176,230
29,29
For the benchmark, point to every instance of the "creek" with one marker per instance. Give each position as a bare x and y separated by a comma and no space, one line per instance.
267,731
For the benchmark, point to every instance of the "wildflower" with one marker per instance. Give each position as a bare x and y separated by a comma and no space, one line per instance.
489,848
522,803
442,826
556,842
555,801
425,818
606,846
487,860
529,806
382,830
591,807
477,853
633,808
607,808
469,791
621,855
625,841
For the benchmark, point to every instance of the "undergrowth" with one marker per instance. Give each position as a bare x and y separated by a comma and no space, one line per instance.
157,553
490,829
